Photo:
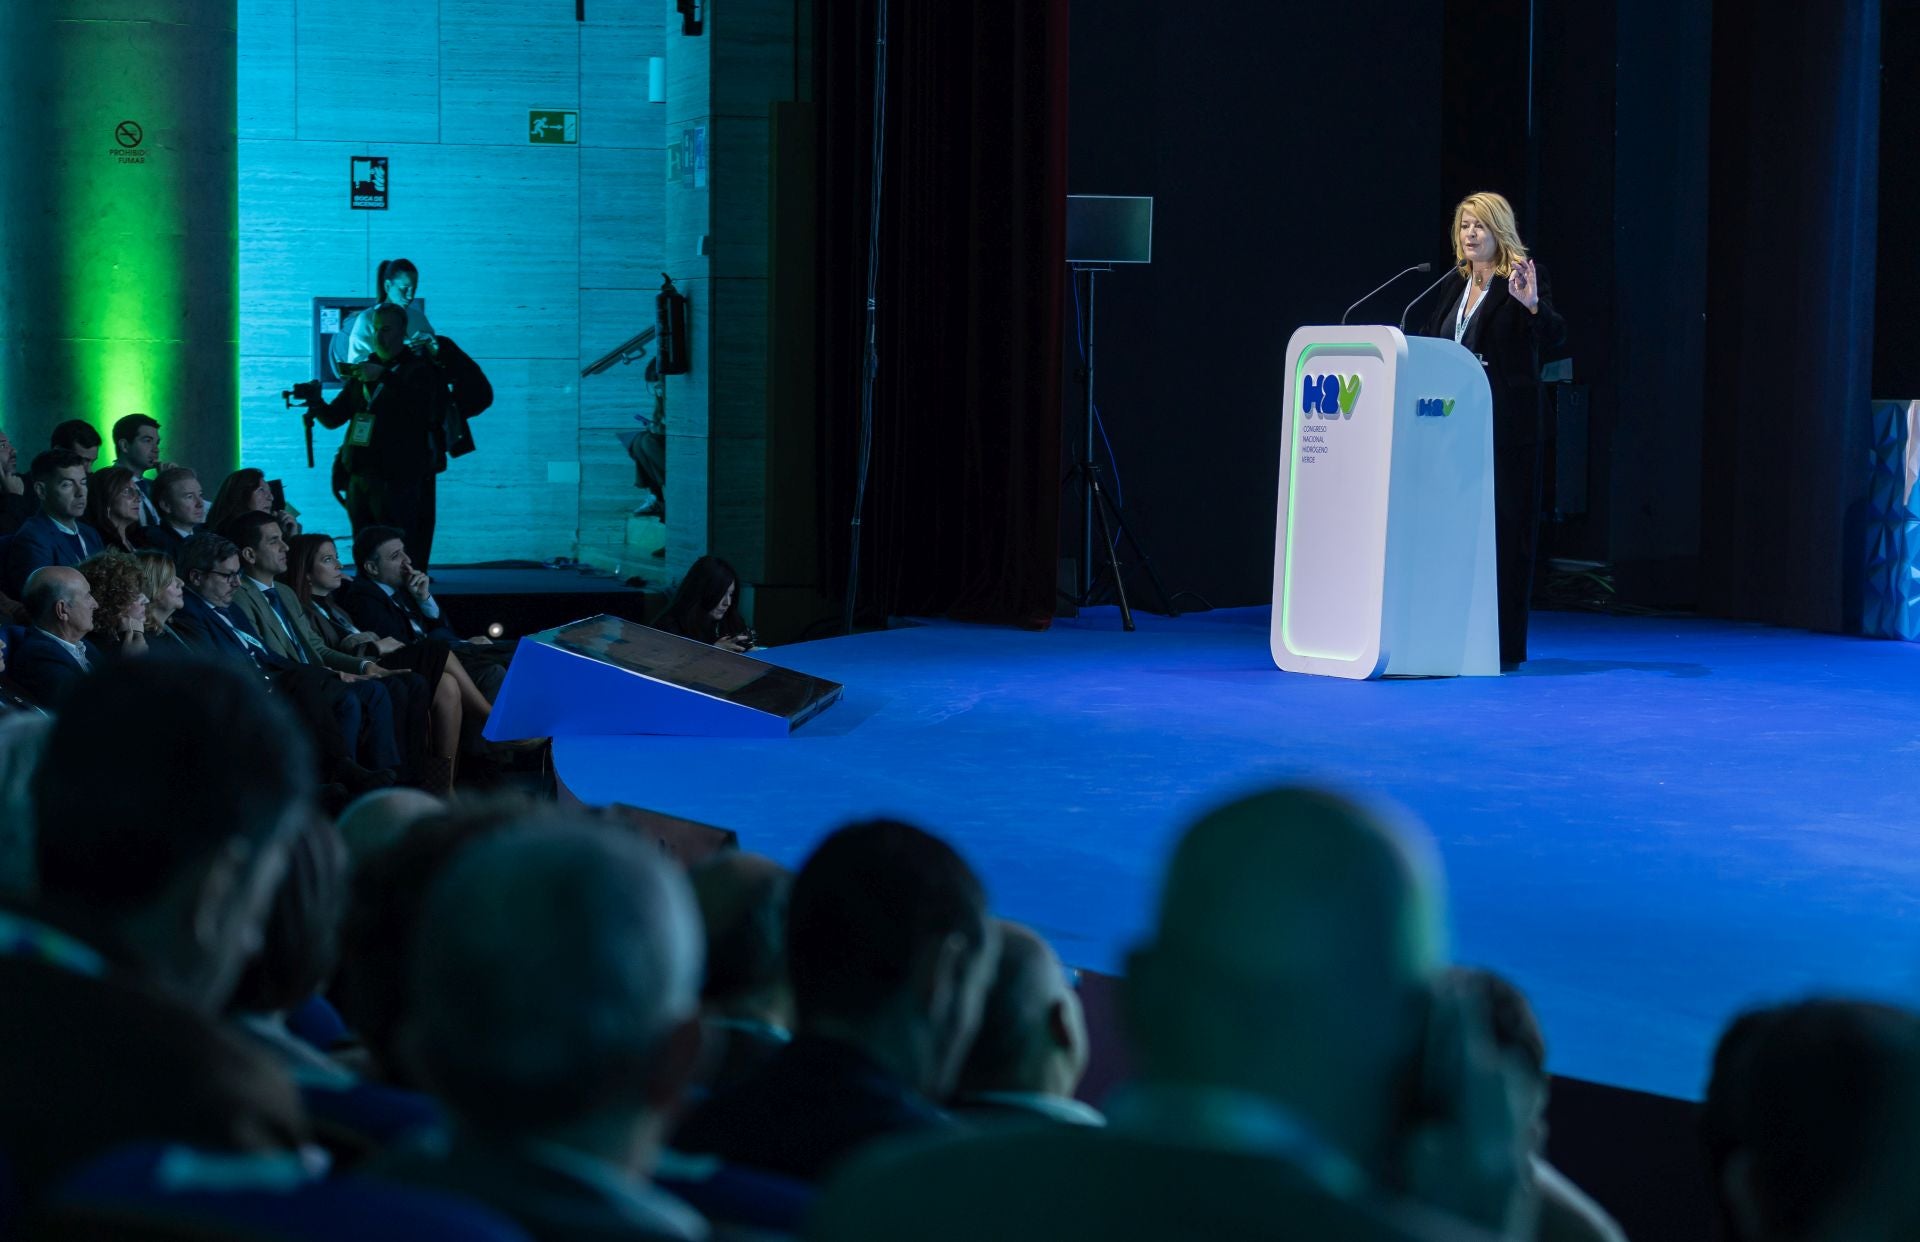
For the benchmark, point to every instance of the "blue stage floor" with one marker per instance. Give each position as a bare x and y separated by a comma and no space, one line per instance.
1657,823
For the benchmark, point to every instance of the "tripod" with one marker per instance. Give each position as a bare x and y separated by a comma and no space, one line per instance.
1097,510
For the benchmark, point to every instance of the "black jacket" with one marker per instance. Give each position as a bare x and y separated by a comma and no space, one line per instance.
809,1107
408,405
1509,339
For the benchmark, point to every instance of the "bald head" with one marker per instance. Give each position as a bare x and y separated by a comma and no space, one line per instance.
59,601
1032,1035
1294,883
1297,942
551,963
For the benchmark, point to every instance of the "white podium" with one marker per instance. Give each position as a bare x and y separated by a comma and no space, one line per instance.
1383,556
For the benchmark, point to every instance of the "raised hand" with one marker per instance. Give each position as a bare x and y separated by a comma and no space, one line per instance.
1524,284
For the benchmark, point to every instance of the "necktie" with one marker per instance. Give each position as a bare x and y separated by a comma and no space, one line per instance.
286,623
248,639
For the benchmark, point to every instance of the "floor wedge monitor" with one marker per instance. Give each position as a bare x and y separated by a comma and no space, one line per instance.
605,676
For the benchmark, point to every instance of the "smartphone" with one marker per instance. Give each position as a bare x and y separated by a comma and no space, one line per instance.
279,490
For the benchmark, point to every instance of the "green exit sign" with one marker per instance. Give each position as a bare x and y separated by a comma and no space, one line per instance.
550,125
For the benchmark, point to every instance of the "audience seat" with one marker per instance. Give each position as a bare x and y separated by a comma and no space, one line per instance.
156,1191
732,1195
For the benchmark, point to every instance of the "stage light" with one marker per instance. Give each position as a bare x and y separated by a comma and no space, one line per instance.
496,630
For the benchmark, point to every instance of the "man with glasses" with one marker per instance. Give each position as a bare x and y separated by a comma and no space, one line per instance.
351,721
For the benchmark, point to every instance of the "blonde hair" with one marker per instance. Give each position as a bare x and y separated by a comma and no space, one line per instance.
1494,211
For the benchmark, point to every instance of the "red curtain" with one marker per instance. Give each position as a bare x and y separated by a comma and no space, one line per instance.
963,500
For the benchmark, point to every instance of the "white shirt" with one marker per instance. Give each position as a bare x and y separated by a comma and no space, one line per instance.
1464,315
360,338
429,606
77,650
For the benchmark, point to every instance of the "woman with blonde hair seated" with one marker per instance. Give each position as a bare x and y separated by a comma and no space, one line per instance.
165,593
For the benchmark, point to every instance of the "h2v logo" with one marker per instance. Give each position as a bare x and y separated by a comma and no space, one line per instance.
1432,407
1329,396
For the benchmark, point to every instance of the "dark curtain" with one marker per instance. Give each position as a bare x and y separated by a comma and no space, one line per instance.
1794,160
964,489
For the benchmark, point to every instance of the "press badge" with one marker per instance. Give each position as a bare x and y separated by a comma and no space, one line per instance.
360,435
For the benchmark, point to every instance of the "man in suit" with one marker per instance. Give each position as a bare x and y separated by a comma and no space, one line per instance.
1302,1072
53,653
560,1039
136,445
745,998
1031,1049
890,950
16,498
182,507
78,437
272,611
389,597
350,723
55,534
115,975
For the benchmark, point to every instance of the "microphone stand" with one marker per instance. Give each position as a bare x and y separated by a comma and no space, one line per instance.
1423,293
1418,267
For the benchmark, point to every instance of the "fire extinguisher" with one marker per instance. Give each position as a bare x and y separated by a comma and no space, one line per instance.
670,324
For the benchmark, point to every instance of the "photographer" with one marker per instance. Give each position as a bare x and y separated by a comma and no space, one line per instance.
395,411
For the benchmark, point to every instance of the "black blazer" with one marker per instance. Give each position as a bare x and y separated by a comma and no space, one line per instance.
1510,340
389,616
814,1103
44,669
409,408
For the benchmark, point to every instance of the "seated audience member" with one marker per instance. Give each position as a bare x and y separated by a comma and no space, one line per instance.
274,612
114,975
1812,1124
706,608
298,946
889,950
561,1039
1288,994
349,722
1567,1213
16,498
313,574
373,821
389,597
23,735
120,603
383,909
53,653
13,699
136,448
246,491
1031,1049
161,584
183,510
113,508
745,998
55,535
78,437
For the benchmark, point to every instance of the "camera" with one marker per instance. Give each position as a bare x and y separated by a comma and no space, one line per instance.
306,393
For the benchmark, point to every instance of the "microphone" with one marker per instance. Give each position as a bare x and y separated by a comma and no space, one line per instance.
1418,267
1423,293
